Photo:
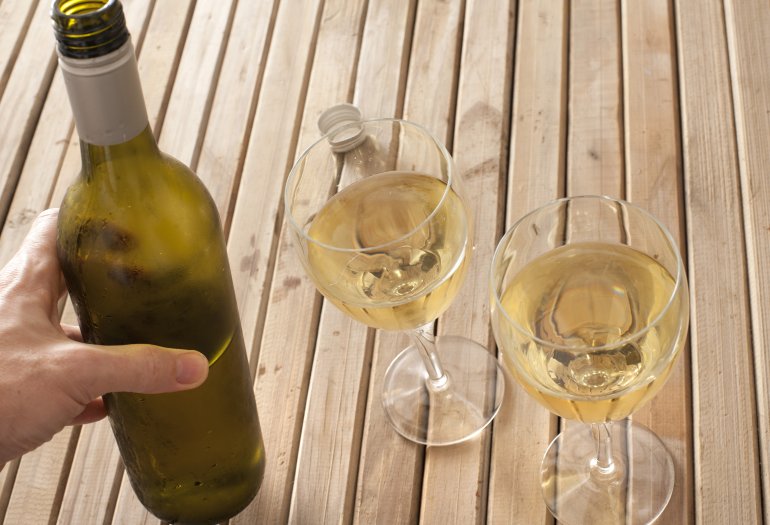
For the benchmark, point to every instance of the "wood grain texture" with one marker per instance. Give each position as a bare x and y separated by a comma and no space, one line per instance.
91,478
455,482
749,53
727,483
36,485
324,486
538,123
595,160
384,58
7,479
271,143
323,465
232,112
21,103
379,91
654,181
196,79
390,468
429,100
523,428
342,370
128,509
15,17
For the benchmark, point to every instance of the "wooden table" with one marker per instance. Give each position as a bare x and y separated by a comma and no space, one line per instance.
663,102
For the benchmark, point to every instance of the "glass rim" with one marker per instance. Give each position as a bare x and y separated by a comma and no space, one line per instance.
678,283
293,175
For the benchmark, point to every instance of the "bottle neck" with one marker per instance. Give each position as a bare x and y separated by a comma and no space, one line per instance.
106,96
92,155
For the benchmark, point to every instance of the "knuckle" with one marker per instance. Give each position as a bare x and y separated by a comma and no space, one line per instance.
156,368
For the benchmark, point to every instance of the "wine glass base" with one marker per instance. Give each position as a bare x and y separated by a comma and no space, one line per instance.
636,494
452,414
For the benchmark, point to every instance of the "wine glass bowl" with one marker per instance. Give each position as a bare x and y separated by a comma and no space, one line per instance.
590,310
388,237
384,233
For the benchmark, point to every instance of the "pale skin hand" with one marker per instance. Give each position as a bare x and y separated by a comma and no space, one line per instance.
49,378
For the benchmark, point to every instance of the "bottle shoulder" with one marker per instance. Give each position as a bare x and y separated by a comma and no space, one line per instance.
158,195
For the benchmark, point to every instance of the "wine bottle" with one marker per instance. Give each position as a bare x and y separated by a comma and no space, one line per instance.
145,261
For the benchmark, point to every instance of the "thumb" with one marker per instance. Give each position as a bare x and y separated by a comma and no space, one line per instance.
144,369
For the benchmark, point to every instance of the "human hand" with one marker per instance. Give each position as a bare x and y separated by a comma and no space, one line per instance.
49,378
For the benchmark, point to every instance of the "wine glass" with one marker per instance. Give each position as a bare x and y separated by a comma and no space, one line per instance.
590,309
385,235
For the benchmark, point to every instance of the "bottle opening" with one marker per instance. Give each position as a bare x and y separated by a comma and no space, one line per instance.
74,7
88,28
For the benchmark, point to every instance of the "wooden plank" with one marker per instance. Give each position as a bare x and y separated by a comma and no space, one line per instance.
749,51
40,169
379,92
340,370
454,484
433,67
128,509
390,468
232,112
327,460
727,485
7,478
595,137
380,85
327,451
271,141
381,71
15,18
523,428
538,126
22,102
381,75
252,234
196,80
37,483
88,496
654,181
164,37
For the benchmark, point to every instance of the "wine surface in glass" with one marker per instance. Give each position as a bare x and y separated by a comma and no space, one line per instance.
590,300
388,251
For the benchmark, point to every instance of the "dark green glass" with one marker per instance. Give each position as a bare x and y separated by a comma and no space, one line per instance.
145,261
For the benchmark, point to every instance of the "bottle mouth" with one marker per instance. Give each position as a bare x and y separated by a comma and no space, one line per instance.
88,28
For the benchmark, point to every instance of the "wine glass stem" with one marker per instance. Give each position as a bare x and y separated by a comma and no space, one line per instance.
603,465
425,342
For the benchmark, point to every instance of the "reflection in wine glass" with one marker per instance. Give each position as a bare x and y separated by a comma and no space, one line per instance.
590,308
384,233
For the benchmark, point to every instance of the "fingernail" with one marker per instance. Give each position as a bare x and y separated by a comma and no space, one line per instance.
191,367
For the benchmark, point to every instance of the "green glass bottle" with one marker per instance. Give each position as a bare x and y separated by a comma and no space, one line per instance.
145,261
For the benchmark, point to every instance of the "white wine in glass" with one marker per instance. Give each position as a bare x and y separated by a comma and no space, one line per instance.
590,309
384,233
393,285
